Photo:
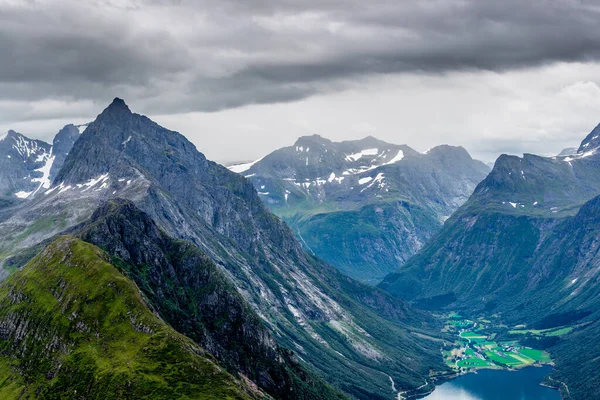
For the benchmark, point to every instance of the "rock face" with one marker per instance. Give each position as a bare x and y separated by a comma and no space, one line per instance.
61,146
364,206
24,165
525,246
72,326
195,297
27,166
325,317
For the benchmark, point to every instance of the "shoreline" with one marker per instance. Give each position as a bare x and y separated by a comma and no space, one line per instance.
447,378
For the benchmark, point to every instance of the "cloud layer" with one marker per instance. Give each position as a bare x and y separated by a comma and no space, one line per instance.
209,55
63,60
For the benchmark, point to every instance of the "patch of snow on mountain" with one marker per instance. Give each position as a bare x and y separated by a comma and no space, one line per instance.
25,147
45,170
587,153
358,156
22,194
239,168
93,182
362,181
378,179
82,128
396,158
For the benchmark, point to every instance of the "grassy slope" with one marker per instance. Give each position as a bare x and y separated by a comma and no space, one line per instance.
72,326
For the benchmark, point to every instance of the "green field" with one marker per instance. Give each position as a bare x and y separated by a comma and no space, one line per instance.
536,355
542,332
476,348
474,362
474,337
460,323
504,359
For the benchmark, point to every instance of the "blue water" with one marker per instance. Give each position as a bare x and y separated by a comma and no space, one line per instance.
523,384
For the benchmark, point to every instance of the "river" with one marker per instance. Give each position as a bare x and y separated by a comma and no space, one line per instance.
523,384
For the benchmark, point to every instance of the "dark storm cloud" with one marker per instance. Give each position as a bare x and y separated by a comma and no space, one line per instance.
211,55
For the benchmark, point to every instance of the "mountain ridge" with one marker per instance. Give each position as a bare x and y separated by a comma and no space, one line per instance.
307,305
345,199
523,247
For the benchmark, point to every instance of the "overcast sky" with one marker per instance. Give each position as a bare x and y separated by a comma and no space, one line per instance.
241,78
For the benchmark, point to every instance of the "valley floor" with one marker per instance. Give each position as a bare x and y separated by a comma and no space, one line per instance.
477,346
486,343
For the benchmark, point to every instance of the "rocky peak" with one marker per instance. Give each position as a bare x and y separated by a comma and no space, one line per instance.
61,146
11,135
370,141
457,152
315,141
117,110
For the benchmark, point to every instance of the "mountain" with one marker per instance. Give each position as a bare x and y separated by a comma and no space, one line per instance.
357,337
569,151
195,297
364,206
525,247
28,166
72,326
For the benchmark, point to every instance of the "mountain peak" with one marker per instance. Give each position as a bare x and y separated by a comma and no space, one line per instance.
569,151
12,133
117,107
312,140
118,103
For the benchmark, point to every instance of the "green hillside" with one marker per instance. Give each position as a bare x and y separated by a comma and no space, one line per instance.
72,326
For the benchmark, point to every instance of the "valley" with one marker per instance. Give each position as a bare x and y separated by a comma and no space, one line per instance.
482,343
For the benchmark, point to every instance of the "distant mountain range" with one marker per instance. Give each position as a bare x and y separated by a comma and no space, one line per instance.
142,208
28,166
525,246
364,206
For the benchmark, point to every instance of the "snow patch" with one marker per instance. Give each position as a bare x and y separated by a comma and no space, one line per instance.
396,158
93,182
45,170
378,179
22,194
82,128
239,168
362,181
358,156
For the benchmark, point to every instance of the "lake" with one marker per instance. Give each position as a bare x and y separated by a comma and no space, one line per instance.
523,384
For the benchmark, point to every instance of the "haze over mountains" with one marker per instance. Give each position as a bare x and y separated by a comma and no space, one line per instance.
364,206
241,286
